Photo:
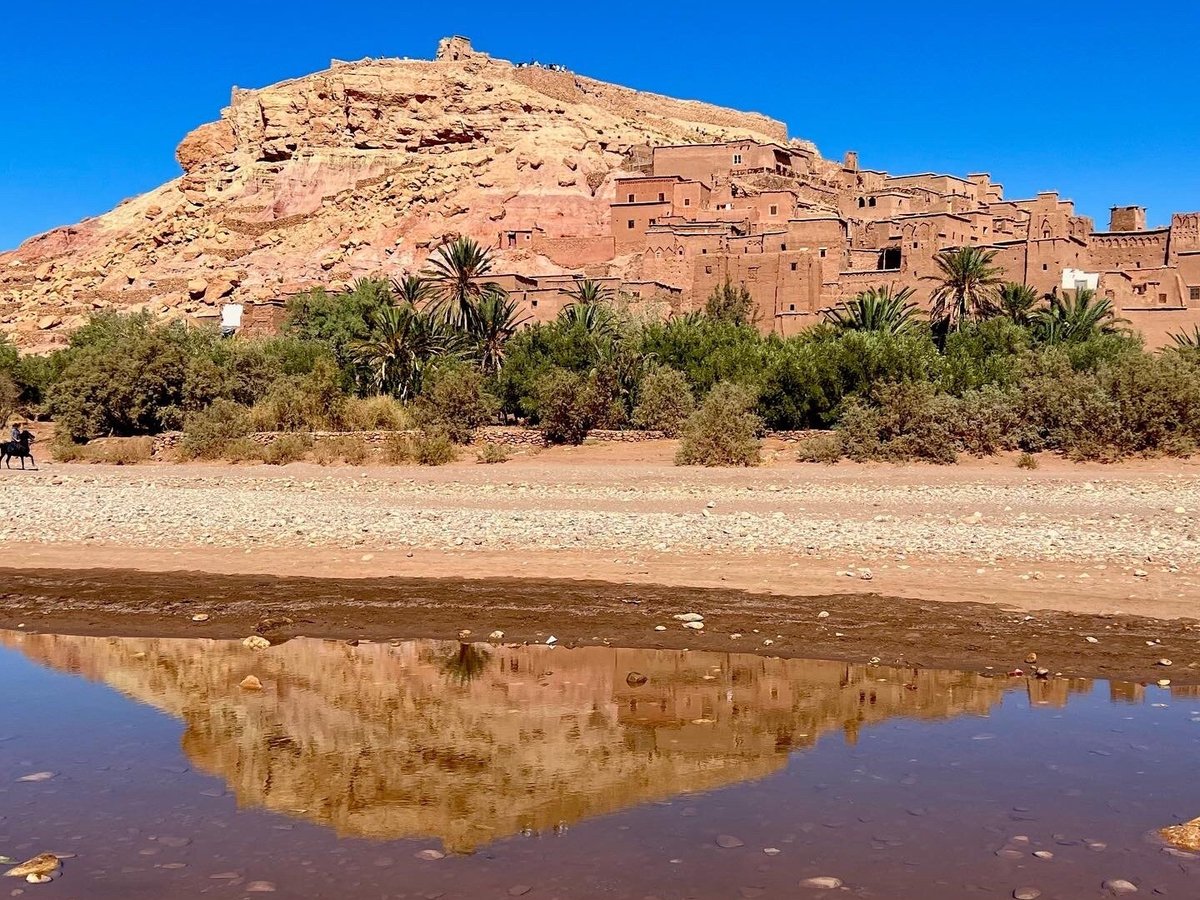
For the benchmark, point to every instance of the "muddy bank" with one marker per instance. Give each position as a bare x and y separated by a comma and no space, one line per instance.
859,627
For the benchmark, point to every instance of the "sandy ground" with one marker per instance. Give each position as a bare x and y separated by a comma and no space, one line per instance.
1084,539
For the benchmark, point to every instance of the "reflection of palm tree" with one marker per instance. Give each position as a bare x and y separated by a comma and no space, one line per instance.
467,663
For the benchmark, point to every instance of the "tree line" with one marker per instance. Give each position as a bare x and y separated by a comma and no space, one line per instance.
992,366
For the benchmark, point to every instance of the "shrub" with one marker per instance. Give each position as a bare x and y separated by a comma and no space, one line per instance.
398,449
207,432
664,402
1027,461
722,432
381,413
565,407
491,453
243,450
312,402
909,421
287,448
121,451
456,403
350,449
63,449
826,447
433,447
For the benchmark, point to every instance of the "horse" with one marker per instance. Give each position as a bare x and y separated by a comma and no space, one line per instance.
18,449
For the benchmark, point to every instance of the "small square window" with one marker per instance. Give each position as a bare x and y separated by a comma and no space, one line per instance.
533,303
631,223
791,307
774,209
708,270
737,159
822,252
662,197
793,267
687,201
783,248
1045,267
631,198
1194,293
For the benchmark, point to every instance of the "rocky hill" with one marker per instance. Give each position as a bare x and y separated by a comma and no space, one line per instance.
357,170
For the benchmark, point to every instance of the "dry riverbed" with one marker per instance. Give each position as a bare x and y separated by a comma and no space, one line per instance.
580,530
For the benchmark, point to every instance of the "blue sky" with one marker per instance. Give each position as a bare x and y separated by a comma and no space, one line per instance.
1100,100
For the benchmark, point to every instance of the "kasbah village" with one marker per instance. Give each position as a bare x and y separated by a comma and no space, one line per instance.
473,479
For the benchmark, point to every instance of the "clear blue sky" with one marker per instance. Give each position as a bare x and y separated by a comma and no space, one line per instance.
1100,100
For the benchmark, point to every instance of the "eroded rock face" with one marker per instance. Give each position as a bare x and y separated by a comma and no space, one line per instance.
355,171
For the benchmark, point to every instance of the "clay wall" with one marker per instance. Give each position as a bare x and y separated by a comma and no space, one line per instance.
1128,250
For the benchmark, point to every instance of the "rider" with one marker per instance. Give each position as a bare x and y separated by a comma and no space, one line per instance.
16,433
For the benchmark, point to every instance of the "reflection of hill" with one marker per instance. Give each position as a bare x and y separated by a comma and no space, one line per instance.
383,741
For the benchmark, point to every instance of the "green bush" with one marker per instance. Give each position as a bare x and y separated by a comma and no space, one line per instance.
664,402
491,453
207,433
566,407
826,447
433,447
398,449
379,413
910,421
456,402
312,402
723,431
1027,461
287,448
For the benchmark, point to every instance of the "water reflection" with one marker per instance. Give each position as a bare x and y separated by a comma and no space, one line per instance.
470,743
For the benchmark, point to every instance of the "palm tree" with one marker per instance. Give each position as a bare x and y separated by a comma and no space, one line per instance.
415,290
1076,317
589,307
402,345
1017,302
877,310
458,271
1187,340
968,286
491,320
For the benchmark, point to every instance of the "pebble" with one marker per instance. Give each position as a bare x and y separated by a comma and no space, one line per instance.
1119,887
38,776
697,626
496,635
260,887
1043,854
822,882
200,617
660,627
689,617
1026,894
1092,640
729,842
250,683
822,615
429,855
772,851
256,642
1163,662
519,890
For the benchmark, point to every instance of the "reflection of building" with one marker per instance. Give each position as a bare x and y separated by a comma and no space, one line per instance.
420,740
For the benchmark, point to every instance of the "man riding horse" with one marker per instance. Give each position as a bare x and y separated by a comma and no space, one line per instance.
17,447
